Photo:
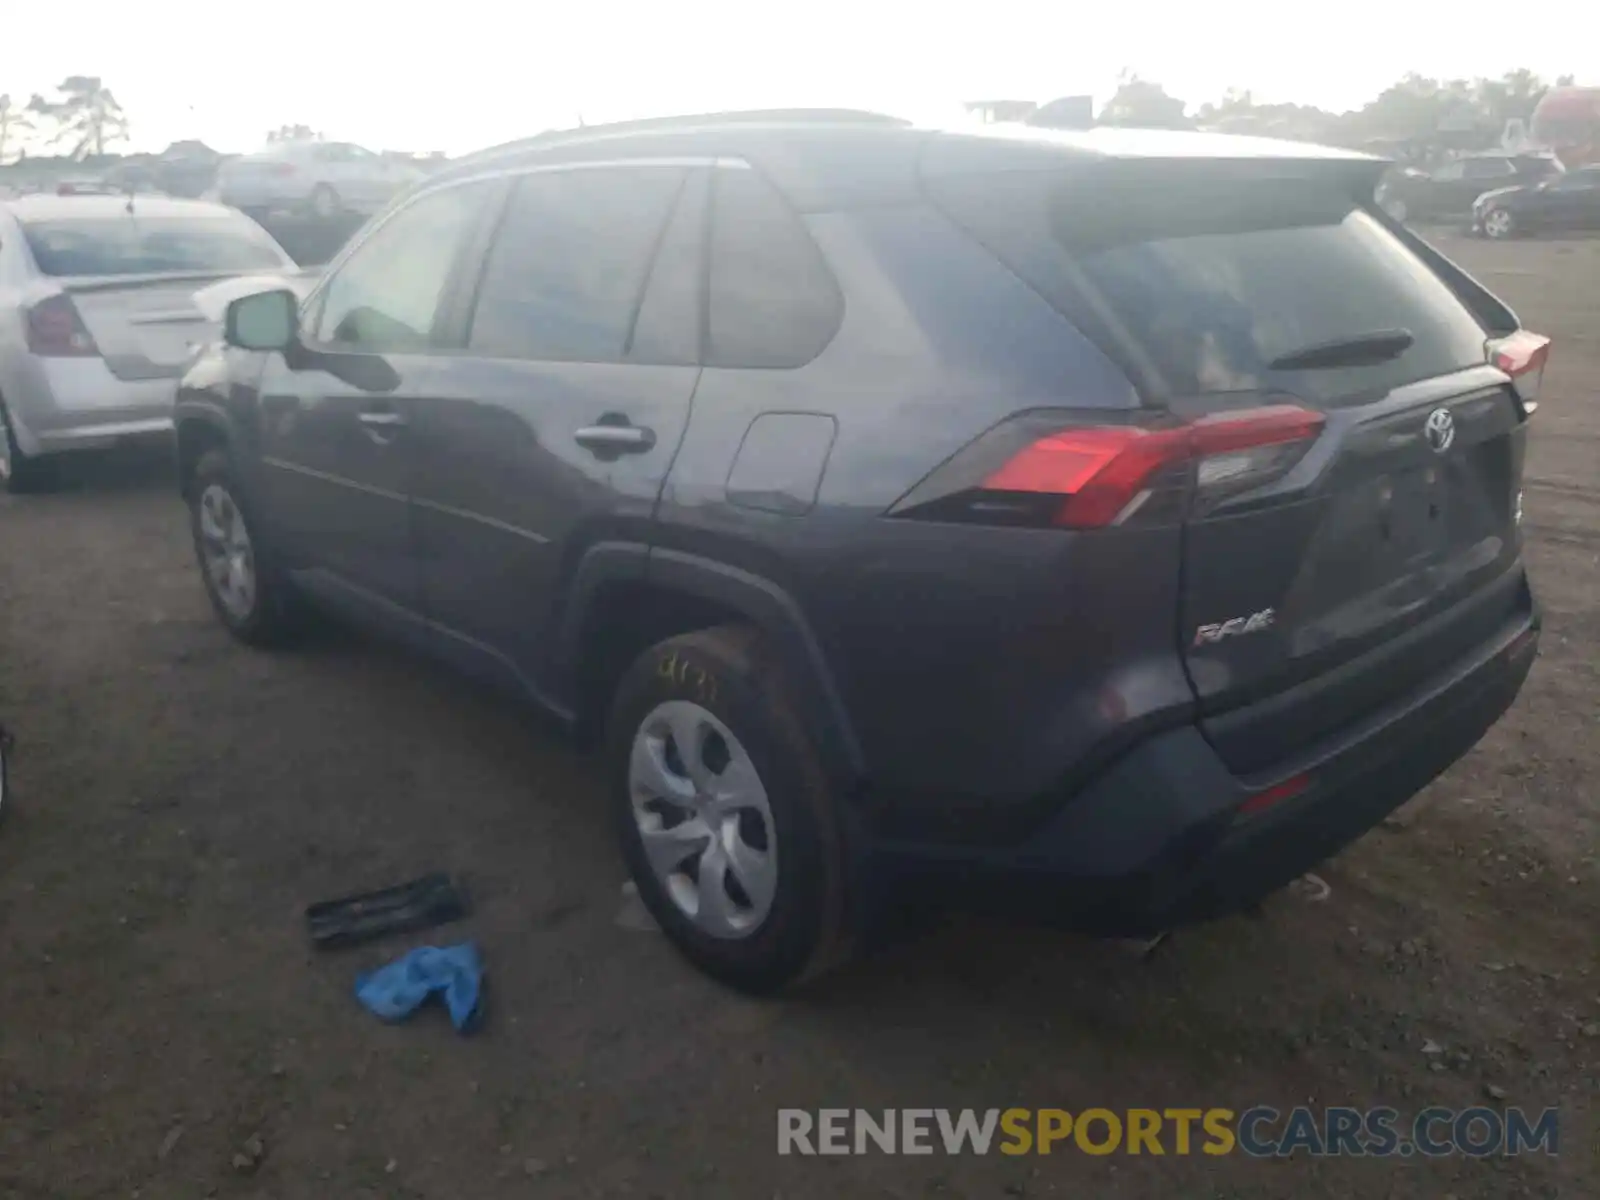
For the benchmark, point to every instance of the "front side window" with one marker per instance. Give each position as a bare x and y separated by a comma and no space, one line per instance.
566,275
386,295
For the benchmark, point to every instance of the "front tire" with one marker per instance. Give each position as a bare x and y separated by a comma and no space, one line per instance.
248,591
324,202
724,814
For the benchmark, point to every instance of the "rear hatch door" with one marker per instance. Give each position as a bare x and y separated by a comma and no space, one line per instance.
1396,525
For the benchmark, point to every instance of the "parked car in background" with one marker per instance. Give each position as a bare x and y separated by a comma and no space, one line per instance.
1099,526
1448,190
1570,201
320,178
98,319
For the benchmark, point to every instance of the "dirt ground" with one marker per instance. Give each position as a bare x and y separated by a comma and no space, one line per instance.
179,799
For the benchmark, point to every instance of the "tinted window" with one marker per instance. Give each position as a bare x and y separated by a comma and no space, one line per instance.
568,267
1579,180
668,328
1215,283
774,302
135,245
386,295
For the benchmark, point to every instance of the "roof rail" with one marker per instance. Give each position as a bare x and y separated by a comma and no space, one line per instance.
767,116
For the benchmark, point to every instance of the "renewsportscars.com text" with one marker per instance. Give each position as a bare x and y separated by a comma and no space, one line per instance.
1260,1132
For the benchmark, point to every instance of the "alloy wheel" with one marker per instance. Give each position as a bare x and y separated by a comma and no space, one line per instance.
227,552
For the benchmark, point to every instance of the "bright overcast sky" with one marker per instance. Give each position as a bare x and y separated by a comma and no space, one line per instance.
456,75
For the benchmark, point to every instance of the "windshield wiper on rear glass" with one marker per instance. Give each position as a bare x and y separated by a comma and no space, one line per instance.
1380,345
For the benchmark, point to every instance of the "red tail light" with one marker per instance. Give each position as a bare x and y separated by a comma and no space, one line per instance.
1523,356
1276,794
1089,477
56,331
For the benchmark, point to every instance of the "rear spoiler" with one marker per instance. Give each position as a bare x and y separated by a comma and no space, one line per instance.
83,284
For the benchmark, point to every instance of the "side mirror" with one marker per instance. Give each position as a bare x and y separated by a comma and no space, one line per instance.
262,321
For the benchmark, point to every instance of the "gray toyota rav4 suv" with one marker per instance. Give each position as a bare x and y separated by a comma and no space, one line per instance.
1102,527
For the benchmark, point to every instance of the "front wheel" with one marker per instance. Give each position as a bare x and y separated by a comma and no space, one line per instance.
1498,224
324,202
246,589
724,814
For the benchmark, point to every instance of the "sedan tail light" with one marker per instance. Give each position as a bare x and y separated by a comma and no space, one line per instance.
1043,469
55,330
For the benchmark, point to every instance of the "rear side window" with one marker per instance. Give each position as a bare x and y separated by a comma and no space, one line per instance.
773,301
566,275
135,245
1214,286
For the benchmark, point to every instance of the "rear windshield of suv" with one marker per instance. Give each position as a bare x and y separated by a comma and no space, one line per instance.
1211,280
134,245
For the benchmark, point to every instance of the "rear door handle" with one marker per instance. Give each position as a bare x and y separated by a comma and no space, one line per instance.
615,439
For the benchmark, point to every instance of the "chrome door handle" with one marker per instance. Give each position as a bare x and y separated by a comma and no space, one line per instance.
382,420
616,439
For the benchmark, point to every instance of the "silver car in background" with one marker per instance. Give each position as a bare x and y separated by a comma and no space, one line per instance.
320,178
98,317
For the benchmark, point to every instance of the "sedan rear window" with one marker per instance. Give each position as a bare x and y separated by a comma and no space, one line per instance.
135,245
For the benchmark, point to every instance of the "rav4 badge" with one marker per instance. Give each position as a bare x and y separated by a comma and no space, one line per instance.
1208,634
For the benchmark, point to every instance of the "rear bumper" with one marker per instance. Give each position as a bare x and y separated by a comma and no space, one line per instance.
1156,841
78,404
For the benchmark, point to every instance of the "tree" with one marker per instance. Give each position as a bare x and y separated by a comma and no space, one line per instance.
1144,103
14,122
87,115
293,133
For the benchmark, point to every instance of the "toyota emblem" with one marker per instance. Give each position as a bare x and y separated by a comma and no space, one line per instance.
1441,429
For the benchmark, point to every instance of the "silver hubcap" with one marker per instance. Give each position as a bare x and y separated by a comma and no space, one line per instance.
704,819
226,552
1498,223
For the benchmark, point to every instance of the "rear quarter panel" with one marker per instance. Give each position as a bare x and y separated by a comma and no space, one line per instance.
973,662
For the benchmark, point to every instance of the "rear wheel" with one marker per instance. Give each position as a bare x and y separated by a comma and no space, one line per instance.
21,473
247,590
324,201
1498,223
724,814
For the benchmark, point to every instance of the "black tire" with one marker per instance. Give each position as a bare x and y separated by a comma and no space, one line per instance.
24,475
276,615
728,672
324,202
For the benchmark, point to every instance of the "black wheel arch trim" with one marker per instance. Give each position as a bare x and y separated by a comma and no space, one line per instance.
767,605
192,412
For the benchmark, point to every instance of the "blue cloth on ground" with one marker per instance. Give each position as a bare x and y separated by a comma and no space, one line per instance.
397,990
